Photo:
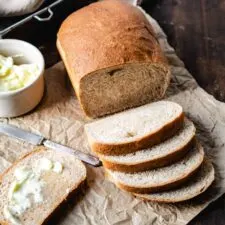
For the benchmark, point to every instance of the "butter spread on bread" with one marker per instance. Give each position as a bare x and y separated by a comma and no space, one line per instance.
27,186
38,182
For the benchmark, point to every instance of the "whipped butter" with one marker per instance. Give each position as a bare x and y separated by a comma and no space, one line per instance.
26,189
14,77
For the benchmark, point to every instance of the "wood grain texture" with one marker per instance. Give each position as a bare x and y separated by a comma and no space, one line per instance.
196,30
200,47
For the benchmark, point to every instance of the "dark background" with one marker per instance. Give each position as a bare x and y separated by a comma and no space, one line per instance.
195,28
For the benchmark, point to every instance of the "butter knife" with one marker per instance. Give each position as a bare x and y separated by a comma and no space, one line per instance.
38,140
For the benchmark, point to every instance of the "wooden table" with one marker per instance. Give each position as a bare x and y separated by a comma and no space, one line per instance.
195,28
196,31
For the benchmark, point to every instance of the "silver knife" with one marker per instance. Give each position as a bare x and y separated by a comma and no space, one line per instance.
38,140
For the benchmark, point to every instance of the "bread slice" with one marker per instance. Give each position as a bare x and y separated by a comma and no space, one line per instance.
157,156
57,187
120,65
200,182
135,129
164,178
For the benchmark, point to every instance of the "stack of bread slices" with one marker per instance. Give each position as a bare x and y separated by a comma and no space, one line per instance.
152,152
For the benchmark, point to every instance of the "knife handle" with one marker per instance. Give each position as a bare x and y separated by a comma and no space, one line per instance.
87,158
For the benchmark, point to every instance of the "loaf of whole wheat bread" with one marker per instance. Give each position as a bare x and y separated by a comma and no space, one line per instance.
112,57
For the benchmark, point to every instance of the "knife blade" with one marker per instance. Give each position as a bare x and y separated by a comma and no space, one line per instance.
38,140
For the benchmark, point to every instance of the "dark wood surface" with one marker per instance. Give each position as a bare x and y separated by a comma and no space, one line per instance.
195,28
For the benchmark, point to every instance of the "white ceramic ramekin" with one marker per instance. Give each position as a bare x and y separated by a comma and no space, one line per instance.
21,101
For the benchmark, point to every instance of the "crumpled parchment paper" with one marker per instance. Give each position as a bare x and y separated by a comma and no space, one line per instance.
59,118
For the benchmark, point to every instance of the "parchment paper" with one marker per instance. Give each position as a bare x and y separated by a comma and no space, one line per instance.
60,118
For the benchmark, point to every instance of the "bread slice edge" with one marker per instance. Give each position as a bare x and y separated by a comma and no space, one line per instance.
165,132
150,164
200,189
164,186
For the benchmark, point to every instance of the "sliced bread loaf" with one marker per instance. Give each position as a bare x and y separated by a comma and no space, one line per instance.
33,188
200,182
157,156
135,129
120,65
164,178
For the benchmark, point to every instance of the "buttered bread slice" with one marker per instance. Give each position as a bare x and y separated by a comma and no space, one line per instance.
200,182
157,156
135,129
160,179
37,184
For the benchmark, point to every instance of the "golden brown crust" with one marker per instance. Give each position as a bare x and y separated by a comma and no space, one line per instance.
162,200
151,164
157,137
165,200
163,187
146,190
198,193
100,41
60,204
103,35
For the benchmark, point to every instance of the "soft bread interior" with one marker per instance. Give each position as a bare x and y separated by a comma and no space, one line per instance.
200,182
175,143
161,176
117,88
134,124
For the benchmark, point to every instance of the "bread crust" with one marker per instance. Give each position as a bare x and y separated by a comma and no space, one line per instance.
174,201
200,191
151,164
115,33
157,137
81,36
163,187
74,192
